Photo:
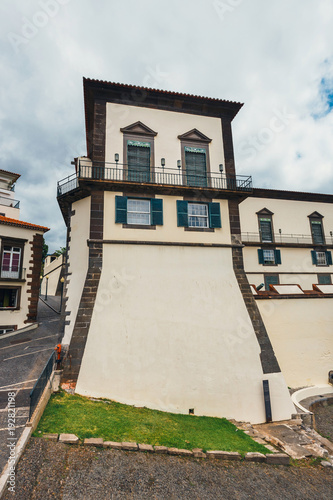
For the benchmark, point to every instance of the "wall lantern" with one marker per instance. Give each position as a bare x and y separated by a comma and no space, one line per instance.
221,167
163,162
116,157
179,164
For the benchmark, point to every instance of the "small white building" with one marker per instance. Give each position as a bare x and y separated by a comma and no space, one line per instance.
159,310
21,256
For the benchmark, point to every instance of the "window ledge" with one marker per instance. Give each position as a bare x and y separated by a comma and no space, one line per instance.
138,226
200,229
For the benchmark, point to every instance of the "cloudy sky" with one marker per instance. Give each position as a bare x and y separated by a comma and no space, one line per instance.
276,56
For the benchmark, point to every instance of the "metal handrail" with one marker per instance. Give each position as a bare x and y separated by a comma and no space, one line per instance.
156,175
304,239
12,272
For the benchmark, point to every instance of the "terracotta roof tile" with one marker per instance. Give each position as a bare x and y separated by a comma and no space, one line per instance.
8,172
19,223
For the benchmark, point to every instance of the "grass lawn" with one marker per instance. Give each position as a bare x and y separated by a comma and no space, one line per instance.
113,421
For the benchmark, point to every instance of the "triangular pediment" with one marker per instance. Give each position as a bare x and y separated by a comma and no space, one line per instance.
264,212
138,128
315,215
194,135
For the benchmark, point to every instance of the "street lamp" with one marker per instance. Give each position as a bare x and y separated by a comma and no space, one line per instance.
47,281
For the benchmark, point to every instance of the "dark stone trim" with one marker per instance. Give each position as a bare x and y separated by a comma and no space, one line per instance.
78,341
34,284
316,295
163,243
286,272
268,359
228,147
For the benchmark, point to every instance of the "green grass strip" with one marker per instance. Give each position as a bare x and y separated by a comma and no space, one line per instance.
113,421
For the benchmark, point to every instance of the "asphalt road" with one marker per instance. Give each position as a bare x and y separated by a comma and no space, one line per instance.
22,359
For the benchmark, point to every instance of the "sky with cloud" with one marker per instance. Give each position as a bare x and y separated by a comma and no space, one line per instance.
276,56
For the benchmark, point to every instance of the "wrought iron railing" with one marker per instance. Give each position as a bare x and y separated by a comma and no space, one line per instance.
157,175
305,239
40,385
12,272
9,202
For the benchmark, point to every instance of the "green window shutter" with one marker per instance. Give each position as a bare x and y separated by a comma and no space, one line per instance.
271,280
214,215
317,232
121,209
266,229
329,258
261,255
314,257
277,256
182,213
156,212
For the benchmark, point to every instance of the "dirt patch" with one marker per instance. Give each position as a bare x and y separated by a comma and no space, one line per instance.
324,421
54,470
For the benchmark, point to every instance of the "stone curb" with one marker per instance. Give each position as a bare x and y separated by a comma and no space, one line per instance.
273,459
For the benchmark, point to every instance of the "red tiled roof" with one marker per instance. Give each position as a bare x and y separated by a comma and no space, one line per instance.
169,92
8,172
19,223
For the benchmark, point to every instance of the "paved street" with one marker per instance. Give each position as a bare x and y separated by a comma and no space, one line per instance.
22,358
58,471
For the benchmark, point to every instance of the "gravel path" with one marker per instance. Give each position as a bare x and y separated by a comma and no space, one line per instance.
53,470
324,421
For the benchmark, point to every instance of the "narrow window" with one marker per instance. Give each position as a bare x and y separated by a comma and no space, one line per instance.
265,228
317,232
139,211
196,166
321,259
198,215
138,161
271,279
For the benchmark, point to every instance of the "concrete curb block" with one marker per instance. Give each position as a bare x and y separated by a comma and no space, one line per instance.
271,458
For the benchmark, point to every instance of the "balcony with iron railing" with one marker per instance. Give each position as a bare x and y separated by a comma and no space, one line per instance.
292,239
121,173
9,202
12,273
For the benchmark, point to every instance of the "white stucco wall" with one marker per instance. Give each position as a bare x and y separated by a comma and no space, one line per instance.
52,270
168,232
170,331
291,216
168,125
302,337
78,261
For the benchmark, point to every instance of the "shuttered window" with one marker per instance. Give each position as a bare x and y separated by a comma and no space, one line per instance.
317,232
196,166
138,161
138,211
269,257
321,258
198,215
265,225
